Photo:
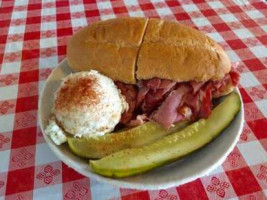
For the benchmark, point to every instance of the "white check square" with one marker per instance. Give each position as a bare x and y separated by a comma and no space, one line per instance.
48,42
7,123
4,155
216,36
138,13
77,8
13,47
49,62
215,4
164,11
233,56
262,105
44,155
259,51
241,2
45,26
218,170
190,7
243,33
51,192
228,18
104,5
105,17
48,11
157,1
248,80
21,3
254,14
16,29
78,22
8,92
10,67
19,14
131,2
264,28
201,21
253,152
102,191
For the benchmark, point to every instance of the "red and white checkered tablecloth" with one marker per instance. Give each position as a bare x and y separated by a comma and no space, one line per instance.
33,35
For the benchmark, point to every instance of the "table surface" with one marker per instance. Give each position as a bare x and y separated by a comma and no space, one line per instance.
33,36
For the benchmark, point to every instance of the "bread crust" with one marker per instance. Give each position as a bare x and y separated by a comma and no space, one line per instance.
177,52
126,49
109,47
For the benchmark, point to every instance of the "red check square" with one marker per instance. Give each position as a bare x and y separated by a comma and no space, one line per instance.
147,6
234,9
245,97
29,76
182,16
15,183
191,191
236,44
254,64
35,6
63,16
119,10
27,104
259,128
64,32
33,20
31,35
29,54
172,3
243,181
143,195
209,12
24,137
221,27
68,174
249,23
90,13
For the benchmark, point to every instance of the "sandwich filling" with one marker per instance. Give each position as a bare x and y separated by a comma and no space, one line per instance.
168,102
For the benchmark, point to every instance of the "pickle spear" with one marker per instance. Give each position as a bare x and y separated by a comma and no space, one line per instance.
99,147
133,161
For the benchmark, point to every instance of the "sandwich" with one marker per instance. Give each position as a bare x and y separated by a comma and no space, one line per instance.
168,72
136,84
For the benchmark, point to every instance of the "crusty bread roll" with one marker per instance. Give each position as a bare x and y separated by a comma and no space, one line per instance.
174,51
109,47
126,48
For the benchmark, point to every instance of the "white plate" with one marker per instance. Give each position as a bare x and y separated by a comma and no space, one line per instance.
192,167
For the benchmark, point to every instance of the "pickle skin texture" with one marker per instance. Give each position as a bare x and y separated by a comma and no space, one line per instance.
134,161
102,146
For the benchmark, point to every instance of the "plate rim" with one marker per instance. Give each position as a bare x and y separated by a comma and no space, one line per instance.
120,182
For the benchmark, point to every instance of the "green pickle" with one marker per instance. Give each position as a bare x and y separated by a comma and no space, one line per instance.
133,161
139,136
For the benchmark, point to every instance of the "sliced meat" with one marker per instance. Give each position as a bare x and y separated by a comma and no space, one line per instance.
156,96
196,86
130,93
153,83
168,111
168,102
235,76
193,101
141,95
205,99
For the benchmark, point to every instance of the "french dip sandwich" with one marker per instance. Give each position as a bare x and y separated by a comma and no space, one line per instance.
137,85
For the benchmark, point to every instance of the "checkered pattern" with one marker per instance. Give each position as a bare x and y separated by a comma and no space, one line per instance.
33,35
